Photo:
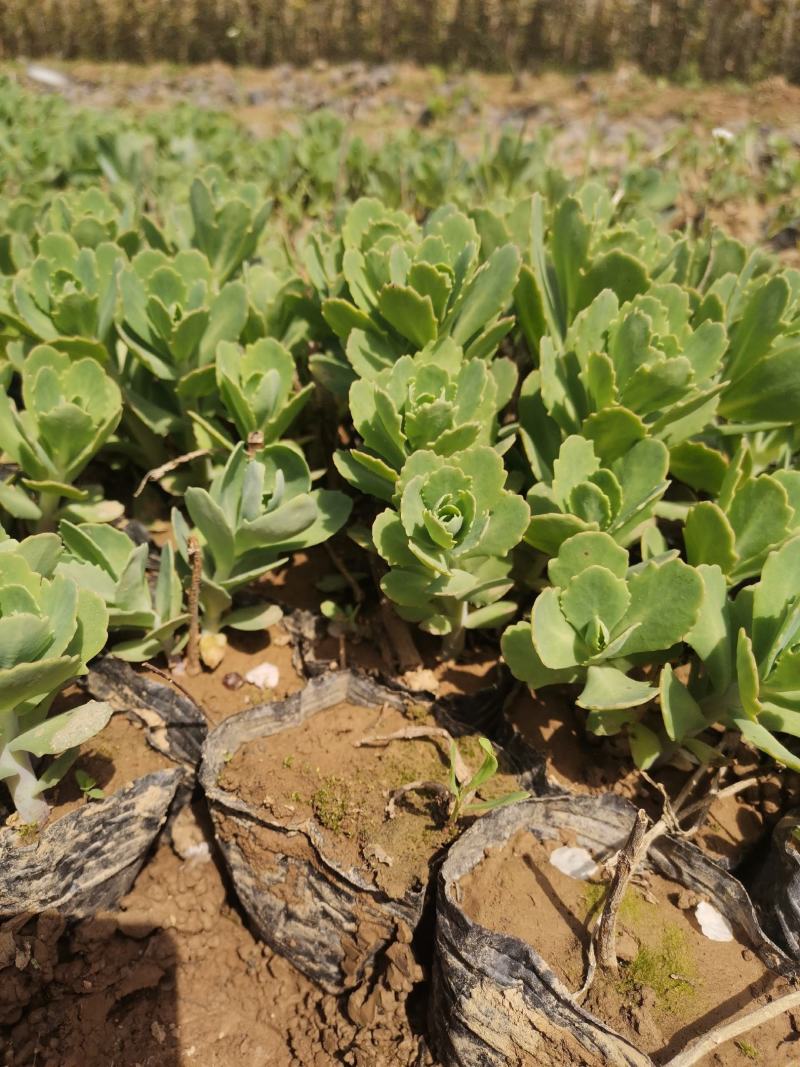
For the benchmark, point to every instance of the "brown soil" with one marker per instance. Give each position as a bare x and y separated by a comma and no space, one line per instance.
317,771
262,96
224,692
552,724
173,979
674,983
115,757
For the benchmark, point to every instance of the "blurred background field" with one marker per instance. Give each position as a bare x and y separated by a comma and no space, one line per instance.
696,153
746,39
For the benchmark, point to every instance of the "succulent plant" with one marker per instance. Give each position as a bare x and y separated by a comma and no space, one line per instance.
70,409
434,400
257,511
49,629
449,540
107,561
598,620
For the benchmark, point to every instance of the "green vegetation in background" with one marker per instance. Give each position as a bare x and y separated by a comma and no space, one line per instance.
531,401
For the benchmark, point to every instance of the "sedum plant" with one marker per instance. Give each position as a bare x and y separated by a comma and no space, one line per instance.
599,620
746,669
433,400
49,629
583,495
448,541
222,220
70,409
173,317
107,561
256,512
257,387
67,296
92,217
626,372
404,288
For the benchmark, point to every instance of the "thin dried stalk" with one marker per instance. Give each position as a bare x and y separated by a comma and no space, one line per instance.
341,567
702,1046
255,442
193,666
418,733
420,786
605,933
157,473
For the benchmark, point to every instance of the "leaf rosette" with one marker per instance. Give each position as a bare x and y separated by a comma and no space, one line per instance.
600,619
70,409
449,541
256,512
107,561
435,400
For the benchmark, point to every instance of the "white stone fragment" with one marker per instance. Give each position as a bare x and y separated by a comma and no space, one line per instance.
265,675
712,923
574,862
53,79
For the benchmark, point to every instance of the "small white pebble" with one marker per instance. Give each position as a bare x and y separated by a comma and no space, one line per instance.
199,853
722,133
266,675
575,862
712,923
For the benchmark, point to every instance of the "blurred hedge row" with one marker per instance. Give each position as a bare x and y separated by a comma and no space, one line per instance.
713,38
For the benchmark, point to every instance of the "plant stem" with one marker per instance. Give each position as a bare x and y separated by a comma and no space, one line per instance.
701,1046
193,645
48,505
453,644
157,473
22,784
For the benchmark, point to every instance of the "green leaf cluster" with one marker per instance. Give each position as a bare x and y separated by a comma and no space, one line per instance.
106,561
70,408
49,628
448,540
256,512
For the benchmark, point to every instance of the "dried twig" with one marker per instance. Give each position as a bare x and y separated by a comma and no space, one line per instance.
602,945
714,795
701,1046
168,678
416,733
157,473
255,442
605,933
341,567
193,644
420,786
